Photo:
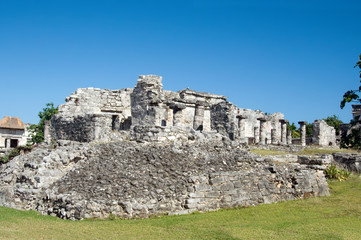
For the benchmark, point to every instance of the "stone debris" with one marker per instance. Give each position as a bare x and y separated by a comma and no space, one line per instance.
130,179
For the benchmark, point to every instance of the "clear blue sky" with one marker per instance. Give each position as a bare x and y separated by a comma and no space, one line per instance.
294,57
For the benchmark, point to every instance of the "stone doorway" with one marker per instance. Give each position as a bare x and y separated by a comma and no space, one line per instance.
14,143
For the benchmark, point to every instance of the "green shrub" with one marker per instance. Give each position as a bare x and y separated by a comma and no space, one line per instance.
15,152
333,172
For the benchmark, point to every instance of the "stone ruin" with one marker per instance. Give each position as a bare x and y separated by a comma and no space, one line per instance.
352,131
149,113
148,151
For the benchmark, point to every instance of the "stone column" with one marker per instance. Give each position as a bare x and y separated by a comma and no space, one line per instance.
241,126
170,117
289,137
47,137
303,132
262,131
274,136
256,135
178,119
7,144
198,116
283,131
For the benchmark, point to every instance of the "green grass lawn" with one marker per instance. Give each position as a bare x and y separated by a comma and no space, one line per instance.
334,217
306,151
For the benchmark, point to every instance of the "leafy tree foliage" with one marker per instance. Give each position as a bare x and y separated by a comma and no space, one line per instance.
294,131
309,130
352,95
37,130
353,138
335,122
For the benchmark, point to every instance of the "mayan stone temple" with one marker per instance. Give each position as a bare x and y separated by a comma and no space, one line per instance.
149,113
145,151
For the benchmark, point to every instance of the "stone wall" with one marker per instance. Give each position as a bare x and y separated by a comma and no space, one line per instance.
87,128
149,105
96,101
92,114
323,134
129,179
349,161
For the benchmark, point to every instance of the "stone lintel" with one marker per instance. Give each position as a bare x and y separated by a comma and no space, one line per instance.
283,121
201,94
262,119
201,103
302,122
179,106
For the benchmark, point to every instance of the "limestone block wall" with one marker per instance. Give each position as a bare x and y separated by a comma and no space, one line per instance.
147,101
149,105
244,188
188,116
349,161
159,134
129,179
251,120
117,101
81,128
224,120
323,134
96,101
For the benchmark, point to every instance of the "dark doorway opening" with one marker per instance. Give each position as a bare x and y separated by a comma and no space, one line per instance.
126,124
13,143
115,122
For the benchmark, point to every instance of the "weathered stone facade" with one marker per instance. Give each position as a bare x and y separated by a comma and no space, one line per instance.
148,105
323,134
130,179
103,115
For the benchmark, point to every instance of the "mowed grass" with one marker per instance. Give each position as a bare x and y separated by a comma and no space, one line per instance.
306,151
335,217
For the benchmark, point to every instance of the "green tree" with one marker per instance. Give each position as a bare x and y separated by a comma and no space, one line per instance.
352,95
294,131
309,130
335,122
37,130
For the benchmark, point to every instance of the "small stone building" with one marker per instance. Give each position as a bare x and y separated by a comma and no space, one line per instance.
12,132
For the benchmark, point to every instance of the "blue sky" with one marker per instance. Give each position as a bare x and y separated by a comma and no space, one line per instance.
294,57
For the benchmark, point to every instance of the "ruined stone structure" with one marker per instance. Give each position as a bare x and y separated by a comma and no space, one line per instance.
149,113
324,135
130,179
148,151
352,130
